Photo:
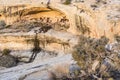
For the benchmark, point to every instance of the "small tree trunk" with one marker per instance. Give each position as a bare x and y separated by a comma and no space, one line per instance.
36,49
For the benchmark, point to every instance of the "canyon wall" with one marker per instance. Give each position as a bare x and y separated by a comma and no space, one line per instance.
49,41
89,18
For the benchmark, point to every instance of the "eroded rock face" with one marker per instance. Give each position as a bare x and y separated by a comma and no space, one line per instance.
49,41
49,23
90,18
99,17
102,19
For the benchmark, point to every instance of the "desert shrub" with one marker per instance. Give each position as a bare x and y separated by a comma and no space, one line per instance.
101,1
94,6
2,23
89,49
67,2
6,52
7,60
7,26
61,70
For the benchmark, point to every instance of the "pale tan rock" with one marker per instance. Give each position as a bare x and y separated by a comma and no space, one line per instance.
95,64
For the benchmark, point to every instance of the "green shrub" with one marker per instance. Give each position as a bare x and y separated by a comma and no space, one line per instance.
6,52
67,2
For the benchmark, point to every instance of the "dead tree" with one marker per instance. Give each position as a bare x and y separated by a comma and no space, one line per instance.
36,48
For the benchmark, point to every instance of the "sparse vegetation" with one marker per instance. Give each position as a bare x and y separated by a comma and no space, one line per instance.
67,2
6,52
89,50
94,6
94,60
8,26
7,60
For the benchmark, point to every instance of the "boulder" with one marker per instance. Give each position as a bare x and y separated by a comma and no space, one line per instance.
74,70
